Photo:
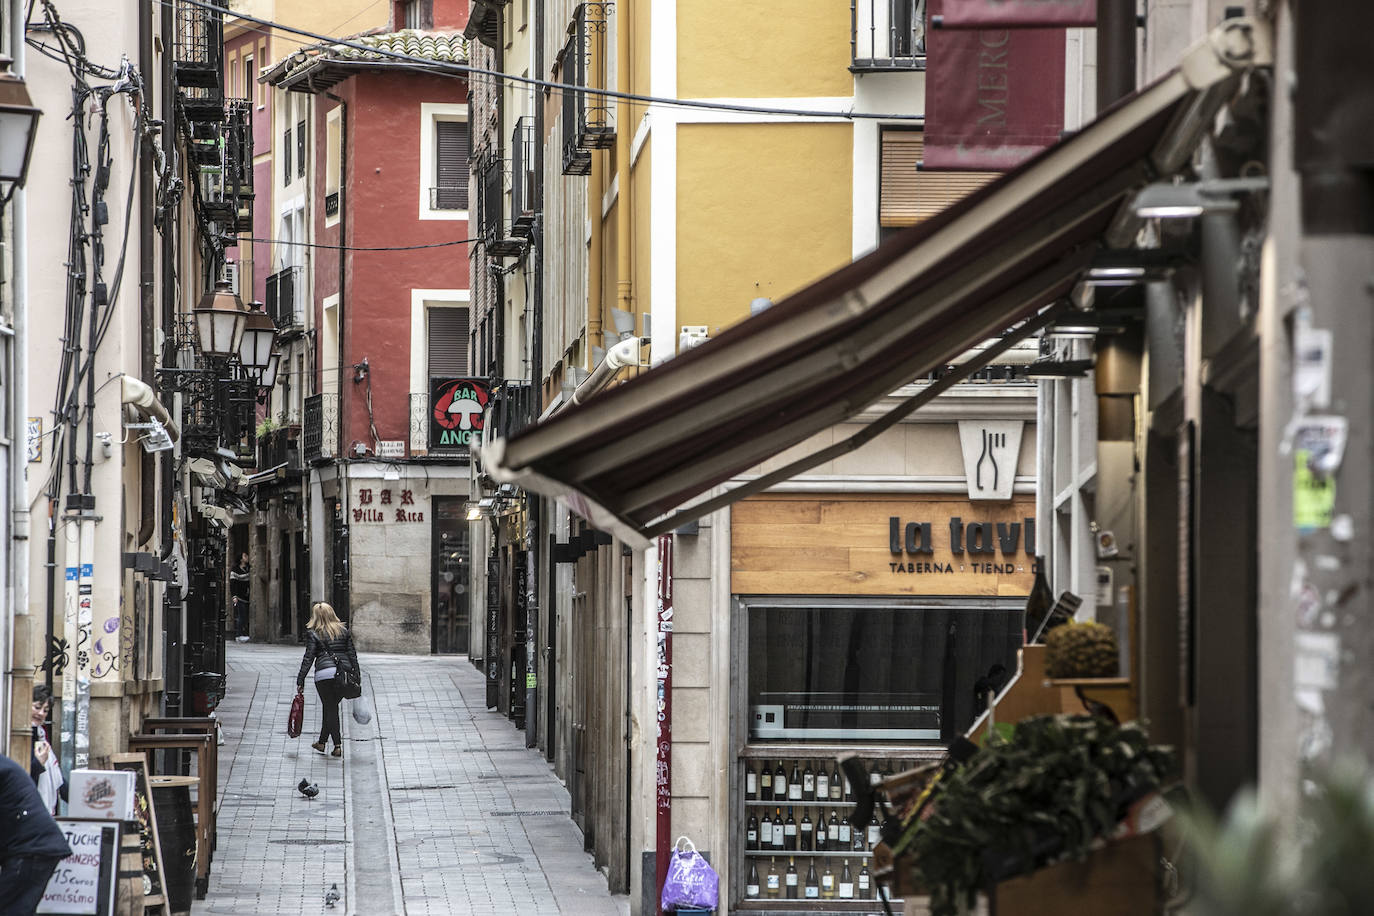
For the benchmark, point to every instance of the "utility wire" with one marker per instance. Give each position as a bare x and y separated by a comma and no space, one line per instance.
468,70
242,241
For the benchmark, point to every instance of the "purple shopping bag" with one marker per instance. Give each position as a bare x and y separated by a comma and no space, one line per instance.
691,881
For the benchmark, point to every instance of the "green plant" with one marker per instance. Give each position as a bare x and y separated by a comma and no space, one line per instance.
1249,865
1085,649
266,425
1058,784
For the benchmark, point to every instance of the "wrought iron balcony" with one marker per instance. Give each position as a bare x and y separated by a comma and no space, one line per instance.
588,121
285,305
199,46
279,447
238,148
524,203
514,406
887,35
320,432
449,197
492,226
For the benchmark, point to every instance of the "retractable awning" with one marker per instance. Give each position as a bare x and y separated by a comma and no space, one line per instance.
989,265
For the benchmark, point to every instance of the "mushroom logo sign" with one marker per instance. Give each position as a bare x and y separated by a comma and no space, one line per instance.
456,411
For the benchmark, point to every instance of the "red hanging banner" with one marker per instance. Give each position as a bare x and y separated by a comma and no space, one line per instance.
1017,14
994,97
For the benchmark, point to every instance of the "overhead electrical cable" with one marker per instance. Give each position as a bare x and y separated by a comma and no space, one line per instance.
468,71
258,241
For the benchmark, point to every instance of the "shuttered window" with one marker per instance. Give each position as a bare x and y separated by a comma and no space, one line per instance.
451,148
907,196
448,342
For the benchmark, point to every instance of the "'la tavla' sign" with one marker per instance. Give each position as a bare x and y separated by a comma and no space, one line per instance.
978,539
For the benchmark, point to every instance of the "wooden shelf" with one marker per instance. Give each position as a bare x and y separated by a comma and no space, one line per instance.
806,854
759,803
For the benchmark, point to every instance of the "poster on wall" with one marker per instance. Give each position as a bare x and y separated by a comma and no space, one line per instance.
84,882
457,412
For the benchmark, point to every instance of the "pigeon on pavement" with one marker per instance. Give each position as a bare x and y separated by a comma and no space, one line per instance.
331,896
308,789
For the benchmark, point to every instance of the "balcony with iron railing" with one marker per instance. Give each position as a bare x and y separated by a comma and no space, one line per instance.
588,120
524,204
887,35
285,302
449,197
320,431
492,226
331,203
279,447
238,159
199,45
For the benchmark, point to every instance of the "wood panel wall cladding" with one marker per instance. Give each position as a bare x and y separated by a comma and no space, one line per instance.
881,545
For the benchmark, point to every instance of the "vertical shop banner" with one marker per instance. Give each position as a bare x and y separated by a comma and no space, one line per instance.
994,97
1018,14
663,781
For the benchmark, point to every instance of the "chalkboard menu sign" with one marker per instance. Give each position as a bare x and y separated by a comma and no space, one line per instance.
84,882
149,844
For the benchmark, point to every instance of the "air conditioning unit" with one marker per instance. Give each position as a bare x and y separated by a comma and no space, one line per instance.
230,274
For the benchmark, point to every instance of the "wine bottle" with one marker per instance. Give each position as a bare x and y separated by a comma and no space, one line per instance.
874,777
858,845
766,831
828,884
822,833
844,837
765,782
806,833
773,886
789,831
836,783
751,833
791,877
751,889
848,790
875,831
865,883
794,787
751,783
779,843
833,828
780,783
813,883
808,783
822,784
846,882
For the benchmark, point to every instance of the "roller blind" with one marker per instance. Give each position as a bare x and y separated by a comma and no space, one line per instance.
451,149
448,342
907,196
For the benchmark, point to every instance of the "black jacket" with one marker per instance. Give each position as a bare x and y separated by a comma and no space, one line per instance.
26,828
323,652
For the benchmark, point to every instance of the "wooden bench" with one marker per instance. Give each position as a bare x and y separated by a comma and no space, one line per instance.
203,746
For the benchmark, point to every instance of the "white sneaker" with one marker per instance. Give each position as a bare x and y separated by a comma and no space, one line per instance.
241,638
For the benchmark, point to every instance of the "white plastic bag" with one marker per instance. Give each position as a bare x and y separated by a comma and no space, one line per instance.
362,713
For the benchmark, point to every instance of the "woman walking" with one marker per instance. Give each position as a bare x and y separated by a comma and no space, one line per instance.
328,644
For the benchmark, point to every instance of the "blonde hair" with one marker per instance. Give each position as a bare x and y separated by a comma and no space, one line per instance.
324,621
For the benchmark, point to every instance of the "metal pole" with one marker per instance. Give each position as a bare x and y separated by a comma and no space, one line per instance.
663,789
1115,51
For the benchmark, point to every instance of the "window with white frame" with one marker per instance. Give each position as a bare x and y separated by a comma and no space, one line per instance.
445,145
332,166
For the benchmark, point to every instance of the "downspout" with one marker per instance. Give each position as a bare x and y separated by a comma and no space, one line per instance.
623,134
596,190
147,298
16,555
173,624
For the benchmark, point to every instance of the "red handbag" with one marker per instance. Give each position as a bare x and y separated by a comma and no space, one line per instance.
293,721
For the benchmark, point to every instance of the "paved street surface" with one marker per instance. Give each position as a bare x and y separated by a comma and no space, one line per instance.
436,808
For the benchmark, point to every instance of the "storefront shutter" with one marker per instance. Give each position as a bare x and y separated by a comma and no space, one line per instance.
452,147
908,196
448,342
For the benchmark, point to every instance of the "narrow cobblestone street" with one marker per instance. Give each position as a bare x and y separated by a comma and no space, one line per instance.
437,806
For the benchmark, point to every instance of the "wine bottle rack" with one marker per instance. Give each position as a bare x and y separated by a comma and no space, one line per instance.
825,862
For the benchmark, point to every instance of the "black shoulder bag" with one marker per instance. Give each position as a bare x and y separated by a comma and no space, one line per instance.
349,679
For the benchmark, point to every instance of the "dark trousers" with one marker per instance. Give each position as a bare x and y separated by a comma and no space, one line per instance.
241,616
330,695
22,882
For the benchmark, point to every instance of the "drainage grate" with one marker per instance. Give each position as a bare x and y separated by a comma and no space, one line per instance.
422,788
529,814
308,842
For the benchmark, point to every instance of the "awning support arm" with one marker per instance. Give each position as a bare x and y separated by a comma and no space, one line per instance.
864,436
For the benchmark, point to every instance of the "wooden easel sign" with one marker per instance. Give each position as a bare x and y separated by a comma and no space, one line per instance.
150,844
84,882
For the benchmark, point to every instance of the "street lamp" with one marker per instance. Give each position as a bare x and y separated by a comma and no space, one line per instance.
219,321
255,348
269,375
18,127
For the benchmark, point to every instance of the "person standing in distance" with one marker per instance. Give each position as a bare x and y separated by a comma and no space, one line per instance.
238,590
328,644
31,843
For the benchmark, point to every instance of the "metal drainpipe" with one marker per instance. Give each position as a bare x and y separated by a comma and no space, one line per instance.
147,474
173,626
624,127
1116,27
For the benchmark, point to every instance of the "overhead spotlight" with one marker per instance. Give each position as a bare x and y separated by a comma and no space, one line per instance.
1128,267
1167,200
1048,369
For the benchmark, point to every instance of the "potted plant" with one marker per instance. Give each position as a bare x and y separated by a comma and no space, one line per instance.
1049,790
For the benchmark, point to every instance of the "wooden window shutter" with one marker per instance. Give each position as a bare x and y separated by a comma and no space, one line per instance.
448,342
906,196
451,148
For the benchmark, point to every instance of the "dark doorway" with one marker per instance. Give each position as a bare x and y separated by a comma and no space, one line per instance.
450,582
284,579
302,583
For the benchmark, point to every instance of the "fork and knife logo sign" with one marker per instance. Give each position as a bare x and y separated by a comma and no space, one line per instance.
990,450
